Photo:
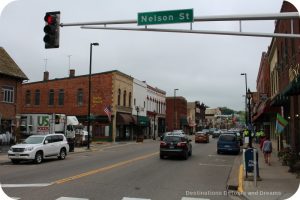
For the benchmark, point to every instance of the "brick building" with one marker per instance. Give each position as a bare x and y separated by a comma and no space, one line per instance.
283,96
196,116
11,78
70,96
176,114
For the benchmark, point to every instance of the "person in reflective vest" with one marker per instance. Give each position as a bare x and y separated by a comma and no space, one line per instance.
246,134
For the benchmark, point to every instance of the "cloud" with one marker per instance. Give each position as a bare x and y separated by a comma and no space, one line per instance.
4,3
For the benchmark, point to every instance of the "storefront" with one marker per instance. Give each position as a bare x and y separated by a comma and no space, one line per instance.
125,127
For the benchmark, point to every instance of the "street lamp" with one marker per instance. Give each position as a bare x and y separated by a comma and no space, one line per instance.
245,74
174,125
249,96
154,128
89,103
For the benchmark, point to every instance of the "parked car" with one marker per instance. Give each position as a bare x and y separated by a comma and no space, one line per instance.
216,133
38,147
211,131
201,137
176,145
163,135
228,143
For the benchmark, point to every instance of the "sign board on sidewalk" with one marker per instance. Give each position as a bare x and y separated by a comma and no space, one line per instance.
166,17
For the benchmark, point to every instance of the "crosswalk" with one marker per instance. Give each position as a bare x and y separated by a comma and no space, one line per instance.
3,196
124,198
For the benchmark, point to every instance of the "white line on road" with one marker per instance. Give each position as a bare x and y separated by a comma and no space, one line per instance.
214,165
25,185
70,198
128,198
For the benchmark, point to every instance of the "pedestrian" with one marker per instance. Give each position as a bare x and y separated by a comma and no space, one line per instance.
261,142
267,150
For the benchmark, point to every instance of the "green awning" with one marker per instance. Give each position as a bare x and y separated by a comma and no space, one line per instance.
143,120
293,88
183,121
279,100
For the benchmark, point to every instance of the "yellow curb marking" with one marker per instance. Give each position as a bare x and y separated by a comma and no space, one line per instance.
103,169
241,176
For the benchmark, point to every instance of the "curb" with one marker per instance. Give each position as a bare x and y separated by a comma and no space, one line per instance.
233,178
241,179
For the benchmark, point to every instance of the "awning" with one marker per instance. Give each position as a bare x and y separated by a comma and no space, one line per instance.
124,119
143,120
279,100
293,88
192,124
183,121
264,108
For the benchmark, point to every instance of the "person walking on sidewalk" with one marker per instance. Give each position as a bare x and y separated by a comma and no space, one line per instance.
267,150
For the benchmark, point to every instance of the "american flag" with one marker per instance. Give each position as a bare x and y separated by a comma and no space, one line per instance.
108,111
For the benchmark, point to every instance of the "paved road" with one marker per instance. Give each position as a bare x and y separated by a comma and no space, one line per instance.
131,170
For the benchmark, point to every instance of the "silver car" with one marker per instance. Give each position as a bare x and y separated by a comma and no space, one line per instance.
39,147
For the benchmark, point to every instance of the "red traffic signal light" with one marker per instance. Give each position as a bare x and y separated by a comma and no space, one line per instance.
51,29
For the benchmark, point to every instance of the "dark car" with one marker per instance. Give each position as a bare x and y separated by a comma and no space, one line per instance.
216,133
228,143
176,145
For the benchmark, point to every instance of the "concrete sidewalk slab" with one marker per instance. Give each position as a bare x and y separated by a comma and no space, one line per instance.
276,182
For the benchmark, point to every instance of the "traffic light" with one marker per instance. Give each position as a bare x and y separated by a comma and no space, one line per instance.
51,29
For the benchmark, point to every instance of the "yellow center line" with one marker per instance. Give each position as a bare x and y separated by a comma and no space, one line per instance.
103,169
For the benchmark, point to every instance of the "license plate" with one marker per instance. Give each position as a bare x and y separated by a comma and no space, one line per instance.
171,147
227,146
17,155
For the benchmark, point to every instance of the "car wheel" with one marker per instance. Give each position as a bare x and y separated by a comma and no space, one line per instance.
62,154
190,153
38,158
186,156
218,152
15,161
161,156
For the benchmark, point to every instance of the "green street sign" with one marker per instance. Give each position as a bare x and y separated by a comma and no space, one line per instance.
166,17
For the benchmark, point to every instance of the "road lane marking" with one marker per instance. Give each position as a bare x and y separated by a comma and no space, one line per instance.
215,165
119,145
25,185
71,198
103,169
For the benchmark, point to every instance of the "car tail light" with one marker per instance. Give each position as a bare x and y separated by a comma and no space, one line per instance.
163,144
182,144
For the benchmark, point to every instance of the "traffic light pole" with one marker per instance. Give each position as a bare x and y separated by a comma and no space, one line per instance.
254,17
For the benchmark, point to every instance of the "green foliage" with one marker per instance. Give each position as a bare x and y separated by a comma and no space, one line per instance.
226,111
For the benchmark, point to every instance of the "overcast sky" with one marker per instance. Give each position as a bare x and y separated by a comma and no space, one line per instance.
206,68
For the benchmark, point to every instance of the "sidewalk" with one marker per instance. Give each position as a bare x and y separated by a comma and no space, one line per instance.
276,182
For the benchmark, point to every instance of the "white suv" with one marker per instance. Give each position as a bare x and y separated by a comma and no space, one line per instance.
38,147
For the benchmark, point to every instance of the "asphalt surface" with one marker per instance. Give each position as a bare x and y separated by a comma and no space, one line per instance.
132,170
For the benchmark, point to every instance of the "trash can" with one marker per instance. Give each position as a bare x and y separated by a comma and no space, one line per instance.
249,161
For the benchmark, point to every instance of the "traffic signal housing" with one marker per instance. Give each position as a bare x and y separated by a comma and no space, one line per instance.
51,29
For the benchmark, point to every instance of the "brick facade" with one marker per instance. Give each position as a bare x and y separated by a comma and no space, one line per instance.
180,113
